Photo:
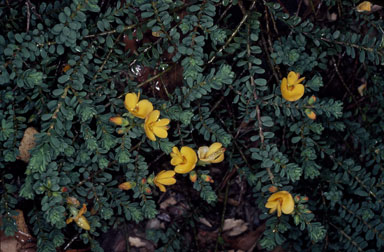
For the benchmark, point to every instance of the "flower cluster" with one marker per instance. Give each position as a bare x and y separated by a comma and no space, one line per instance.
184,161
153,126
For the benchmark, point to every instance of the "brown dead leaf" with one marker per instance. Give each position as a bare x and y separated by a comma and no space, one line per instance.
361,89
171,201
246,241
204,221
234,227
136,242
27,143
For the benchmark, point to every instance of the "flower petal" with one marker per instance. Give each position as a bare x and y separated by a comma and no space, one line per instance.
202,152
160,132
149,133
144,108
160,186
130,101
219,159
165,174
163,122
167,181
184,168
213,148
189,154
153,116
288,204
292,78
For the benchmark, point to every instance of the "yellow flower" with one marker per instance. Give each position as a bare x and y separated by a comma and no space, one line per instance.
364,6
164,178
291,88
80,220
183,160
281,201
155,127
137,108
211,154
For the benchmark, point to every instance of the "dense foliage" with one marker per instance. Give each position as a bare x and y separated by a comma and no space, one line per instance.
214,68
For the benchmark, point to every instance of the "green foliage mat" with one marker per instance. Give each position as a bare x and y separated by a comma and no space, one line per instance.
214,68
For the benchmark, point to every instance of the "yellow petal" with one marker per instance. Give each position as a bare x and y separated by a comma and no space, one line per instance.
292,93
177,160
272,204
163,122
292,78
149,132
144,108
167,181
364,6
130,101
219,159
165,174
189,154
160,131
153,116
278,210
161,187
185,168
83,223
288,204
202,152
213,148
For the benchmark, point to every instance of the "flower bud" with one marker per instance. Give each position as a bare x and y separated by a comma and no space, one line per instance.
127,185
118,120
148,190
297,198
312,100
143,181
207,178
193,176
272,189
311,115
66,68
64,189
304,198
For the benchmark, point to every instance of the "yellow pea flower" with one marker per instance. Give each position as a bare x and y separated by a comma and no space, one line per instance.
281,201
211,154
79,219
291,88
184,160
154,127
164,178
364,6
137,108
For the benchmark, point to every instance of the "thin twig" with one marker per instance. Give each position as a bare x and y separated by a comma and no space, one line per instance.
106,58
245,17
28,15
347,236
71,241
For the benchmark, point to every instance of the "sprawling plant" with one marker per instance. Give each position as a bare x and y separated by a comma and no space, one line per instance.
130,98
